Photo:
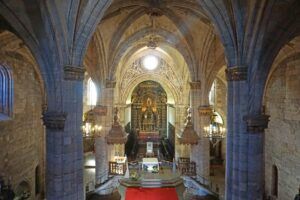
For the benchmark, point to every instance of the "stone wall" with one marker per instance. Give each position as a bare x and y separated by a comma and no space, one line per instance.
22,138
282,138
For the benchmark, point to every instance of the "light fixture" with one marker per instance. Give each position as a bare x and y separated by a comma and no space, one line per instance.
116,135
189,135
150,62
215,131
90,129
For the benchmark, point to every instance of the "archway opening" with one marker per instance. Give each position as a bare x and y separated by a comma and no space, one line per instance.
149,122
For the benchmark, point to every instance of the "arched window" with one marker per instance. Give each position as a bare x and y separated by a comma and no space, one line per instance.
212,94
275,181
6,93
91,93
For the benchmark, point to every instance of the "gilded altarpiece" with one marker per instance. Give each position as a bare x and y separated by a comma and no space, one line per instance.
149,108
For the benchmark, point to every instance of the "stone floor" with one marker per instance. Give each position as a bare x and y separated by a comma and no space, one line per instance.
114,196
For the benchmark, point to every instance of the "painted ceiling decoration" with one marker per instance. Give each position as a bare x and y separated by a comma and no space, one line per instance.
127,28
163,72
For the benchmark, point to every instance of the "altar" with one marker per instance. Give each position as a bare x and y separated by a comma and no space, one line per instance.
153,185
150,164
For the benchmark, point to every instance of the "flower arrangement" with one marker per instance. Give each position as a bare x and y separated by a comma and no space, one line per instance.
134,176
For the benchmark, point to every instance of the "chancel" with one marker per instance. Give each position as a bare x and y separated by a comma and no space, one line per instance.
149,99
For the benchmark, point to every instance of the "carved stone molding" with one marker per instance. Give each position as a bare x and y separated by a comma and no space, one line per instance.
195,85
164,73
257,123
205,110
236,73
54,120
73,73
110,84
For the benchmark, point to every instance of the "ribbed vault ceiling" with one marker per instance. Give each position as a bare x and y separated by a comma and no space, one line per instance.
182,30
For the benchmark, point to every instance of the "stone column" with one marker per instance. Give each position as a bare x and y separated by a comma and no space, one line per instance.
204,113
108,101
180,113
236,130
244,155
195,93
64,148
100,113
101,159
256,125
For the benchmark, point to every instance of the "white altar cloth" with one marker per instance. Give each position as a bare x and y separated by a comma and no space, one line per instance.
150,163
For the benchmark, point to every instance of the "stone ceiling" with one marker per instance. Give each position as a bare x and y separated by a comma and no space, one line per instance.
181,28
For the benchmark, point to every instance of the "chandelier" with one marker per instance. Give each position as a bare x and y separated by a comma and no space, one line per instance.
215,131
90,128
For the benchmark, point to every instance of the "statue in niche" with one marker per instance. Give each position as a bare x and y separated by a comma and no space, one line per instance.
149,121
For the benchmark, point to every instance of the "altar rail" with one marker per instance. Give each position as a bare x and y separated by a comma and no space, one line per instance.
186,167
117,168
148,136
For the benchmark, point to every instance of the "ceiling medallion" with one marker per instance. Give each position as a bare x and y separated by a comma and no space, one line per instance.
153,12
152,43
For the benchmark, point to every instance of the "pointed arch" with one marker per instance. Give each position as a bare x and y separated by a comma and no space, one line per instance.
6,93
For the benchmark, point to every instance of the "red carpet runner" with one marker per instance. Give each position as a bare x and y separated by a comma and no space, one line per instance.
151,194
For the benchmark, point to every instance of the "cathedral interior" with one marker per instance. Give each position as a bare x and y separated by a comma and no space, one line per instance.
199,99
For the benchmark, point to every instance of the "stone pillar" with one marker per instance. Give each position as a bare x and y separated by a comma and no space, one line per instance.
101,159
244,155
180,113
236,108
108,101
64,148
203,168
256,125
195,93
100,113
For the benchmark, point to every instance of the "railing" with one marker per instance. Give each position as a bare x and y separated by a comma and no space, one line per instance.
165,163
117,168
208,184
90,186
102,178
106,191
186,167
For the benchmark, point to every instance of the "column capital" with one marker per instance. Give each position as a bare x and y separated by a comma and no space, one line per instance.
54,120
195,85
257,123
205,110
73,73
238,73
110,84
